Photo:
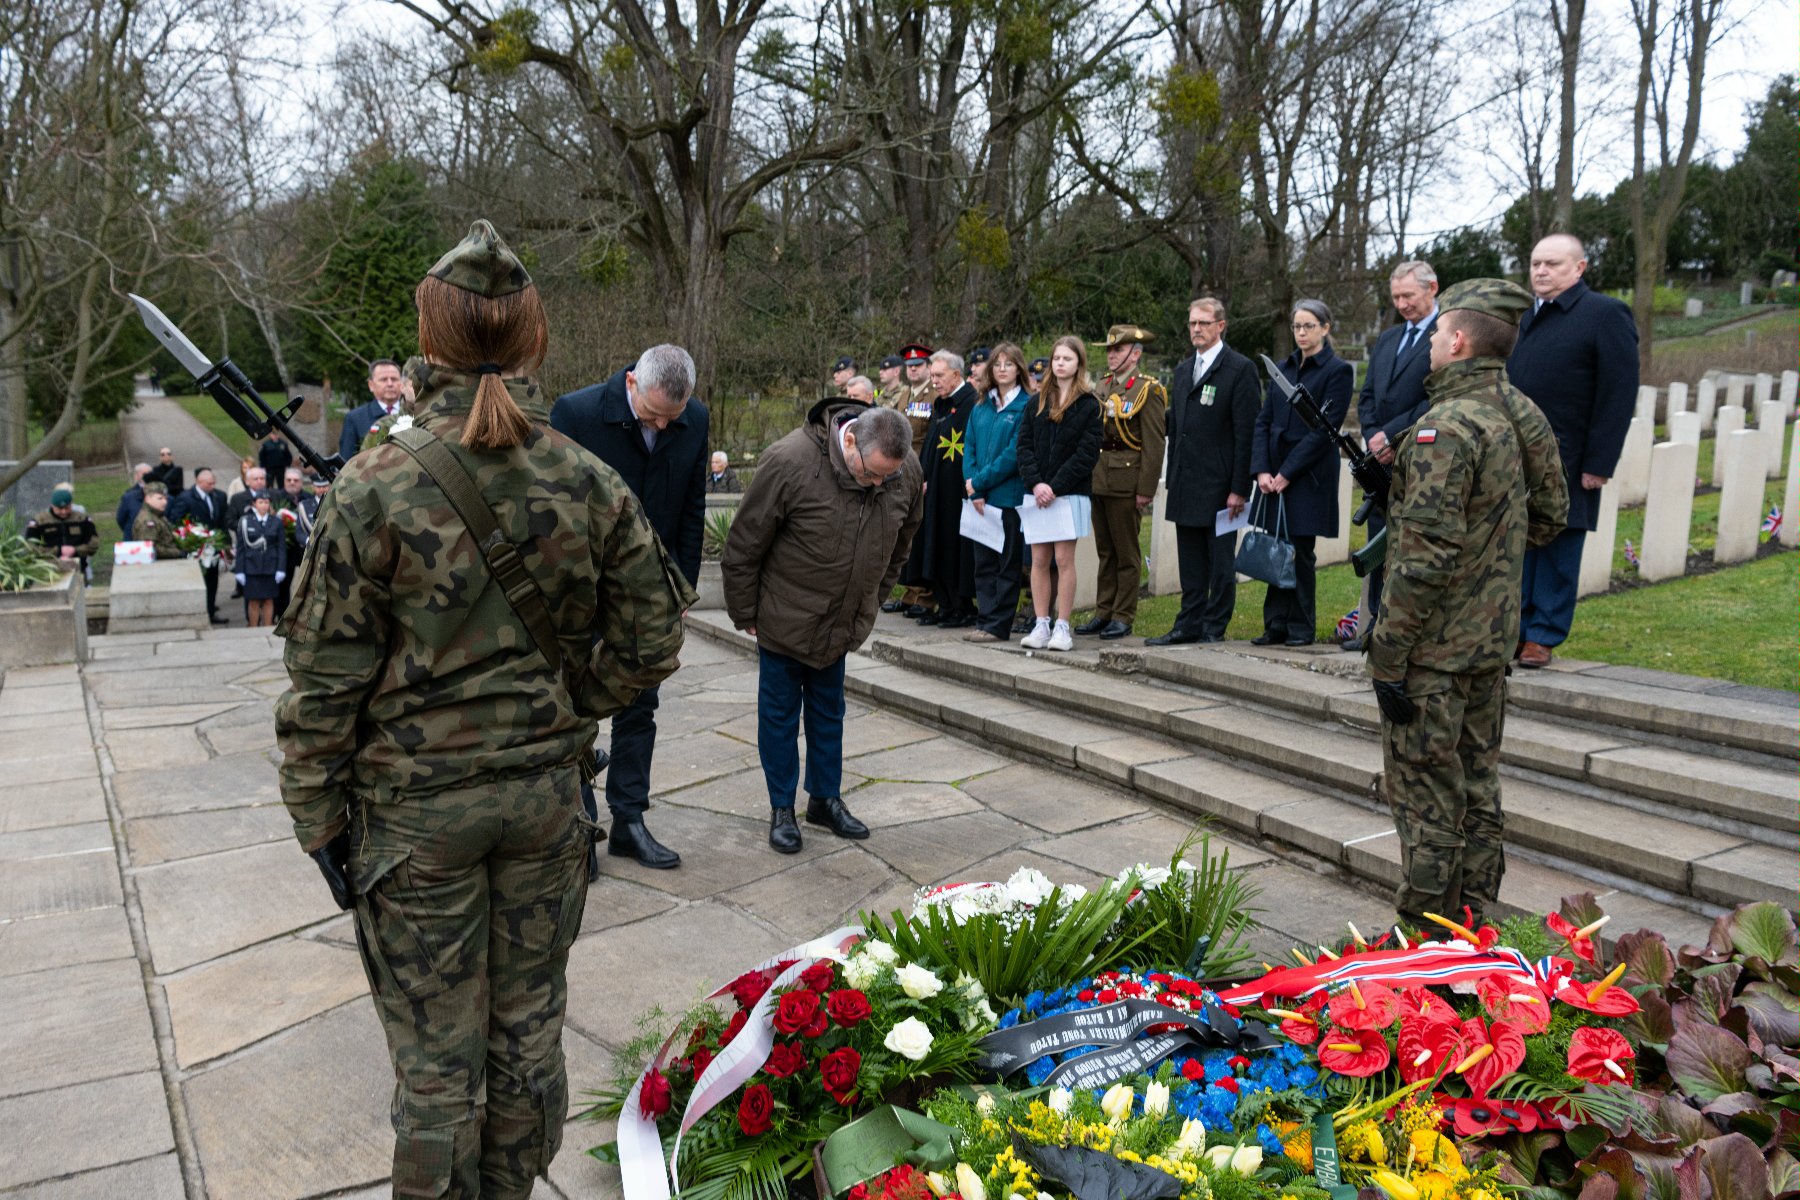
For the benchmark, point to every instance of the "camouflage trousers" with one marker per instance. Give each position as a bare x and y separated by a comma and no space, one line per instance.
468,901
1442,774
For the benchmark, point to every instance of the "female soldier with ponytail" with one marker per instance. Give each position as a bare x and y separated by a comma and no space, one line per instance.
437,719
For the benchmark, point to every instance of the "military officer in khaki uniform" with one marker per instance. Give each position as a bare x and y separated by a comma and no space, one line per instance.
916,400
1133,406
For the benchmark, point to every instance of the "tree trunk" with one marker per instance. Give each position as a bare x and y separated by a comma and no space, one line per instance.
1567,22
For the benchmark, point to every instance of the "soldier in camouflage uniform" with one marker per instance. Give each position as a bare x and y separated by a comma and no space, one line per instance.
1475,481
430,749
64,526
152,522
1133,409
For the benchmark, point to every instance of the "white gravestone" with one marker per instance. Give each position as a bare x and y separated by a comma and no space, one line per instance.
1789,533
1678,398
1706,402
1765,389
1669,511
1694,308
1646,402
1597,547
1336,549
1746,295
1685,427
1740,502
1165,562
1633,471
1771,423
1731,419
1734,389
1790,390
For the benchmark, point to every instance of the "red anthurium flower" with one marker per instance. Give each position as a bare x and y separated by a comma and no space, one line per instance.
1354,1052
1613,1002
1600,1056
1301,1026
653,1096
1472,1118
1426,1047
1420,1002
1486,935
1506,1050
1509,998
1562,927
1377,1008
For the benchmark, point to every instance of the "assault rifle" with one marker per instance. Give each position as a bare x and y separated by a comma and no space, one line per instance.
1374,476
234,392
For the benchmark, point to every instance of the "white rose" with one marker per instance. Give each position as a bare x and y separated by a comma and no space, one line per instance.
909,1039
1191,1140
1059,1100
963,910
1029,887
1247,1160
1116,1104
1219,1157
861,971
968,1183
1156,1099
984,1104
918,982
971,986
881,952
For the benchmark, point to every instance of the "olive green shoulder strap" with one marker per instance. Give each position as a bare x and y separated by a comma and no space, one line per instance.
502,556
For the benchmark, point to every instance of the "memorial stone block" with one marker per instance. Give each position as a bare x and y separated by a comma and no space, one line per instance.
1669,512
1746,294
1771,423
1678,398
1165,562
1734,389
1790,390
1694,308
31,495
1765,389
1740,500
1731,419
1685,427
1646,402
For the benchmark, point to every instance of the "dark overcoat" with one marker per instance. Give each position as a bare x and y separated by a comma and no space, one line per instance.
1210,433
1286,445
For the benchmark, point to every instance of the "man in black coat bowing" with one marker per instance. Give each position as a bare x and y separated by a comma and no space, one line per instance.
1393,394
645,424
1211,417
1577,360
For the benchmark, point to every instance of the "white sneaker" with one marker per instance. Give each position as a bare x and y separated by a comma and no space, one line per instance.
1062,638
1039,637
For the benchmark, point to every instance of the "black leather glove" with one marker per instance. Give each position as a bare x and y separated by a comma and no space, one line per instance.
1391,695
334,864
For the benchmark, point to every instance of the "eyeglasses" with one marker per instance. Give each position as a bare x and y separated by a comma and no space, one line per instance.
1299,328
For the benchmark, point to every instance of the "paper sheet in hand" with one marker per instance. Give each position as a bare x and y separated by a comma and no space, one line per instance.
984,528
1224,522
1054,523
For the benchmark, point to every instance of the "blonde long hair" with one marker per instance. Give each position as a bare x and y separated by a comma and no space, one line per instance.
1081,385
504,335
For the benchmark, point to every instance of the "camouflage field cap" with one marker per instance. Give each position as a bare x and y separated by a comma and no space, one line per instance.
153,488
1119,335
484,264
1496,297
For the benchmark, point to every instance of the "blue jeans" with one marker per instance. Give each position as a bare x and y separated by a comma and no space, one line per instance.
786,686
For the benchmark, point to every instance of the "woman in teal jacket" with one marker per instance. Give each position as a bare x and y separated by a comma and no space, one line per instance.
991,477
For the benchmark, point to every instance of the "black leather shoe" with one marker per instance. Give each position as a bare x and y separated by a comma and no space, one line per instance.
629,839
1354,645
957,621
914,611
1093,626
218,620
1115,630
784,835
931,617
1264,639
830,812
1301,641
1023,623
1172,638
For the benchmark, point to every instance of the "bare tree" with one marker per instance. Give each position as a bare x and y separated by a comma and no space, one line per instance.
1566,19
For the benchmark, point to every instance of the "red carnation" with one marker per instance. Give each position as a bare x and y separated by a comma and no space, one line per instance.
756,1111
1228,1083
796,1010
1238,1062
653,1095
1355,1052
733,1027
1085,995
848,1007
1192,1069
838,1072
1600,1056
1233,1009
818,977
1108,995
784,1060
1131,989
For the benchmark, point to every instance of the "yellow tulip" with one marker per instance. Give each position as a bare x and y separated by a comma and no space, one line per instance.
1395,1186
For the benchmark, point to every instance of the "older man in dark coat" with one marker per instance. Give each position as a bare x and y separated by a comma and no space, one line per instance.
1577,360
645,424
1210,422
1393,393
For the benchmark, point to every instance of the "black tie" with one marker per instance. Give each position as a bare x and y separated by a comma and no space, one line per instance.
1406,342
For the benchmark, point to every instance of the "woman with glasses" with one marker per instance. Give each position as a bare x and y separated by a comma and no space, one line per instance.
1296,470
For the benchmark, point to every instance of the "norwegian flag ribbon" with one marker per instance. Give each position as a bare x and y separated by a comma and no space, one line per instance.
1431,965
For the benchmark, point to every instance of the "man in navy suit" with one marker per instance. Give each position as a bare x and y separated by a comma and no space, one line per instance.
645,424
204,504
1211,418
385,390
1393,393
1577,359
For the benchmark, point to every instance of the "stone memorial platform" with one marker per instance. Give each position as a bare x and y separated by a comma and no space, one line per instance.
156,597
44,625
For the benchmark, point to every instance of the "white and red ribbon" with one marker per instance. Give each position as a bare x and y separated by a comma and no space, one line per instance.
1431,965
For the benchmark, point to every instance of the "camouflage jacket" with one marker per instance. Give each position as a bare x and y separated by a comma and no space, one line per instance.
410,671
1466,490
151,526
51,533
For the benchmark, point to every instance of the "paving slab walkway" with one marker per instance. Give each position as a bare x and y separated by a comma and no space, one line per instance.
185,1014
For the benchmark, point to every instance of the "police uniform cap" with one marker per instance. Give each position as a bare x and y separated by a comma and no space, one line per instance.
1500,298
62,495
980,354
484,264
845,363
1039,366
892,360
915,352
1119,335
154,488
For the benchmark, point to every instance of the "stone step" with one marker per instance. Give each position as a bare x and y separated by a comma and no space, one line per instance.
1763,798
1260,775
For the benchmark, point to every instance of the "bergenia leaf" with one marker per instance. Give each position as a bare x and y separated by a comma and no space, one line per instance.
1707,1061
1764,930
1734,1167
1647,958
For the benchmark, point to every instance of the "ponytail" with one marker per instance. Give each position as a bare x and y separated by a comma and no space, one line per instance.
495,421
505,335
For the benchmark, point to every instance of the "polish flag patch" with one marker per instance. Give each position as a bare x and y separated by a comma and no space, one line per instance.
1425,437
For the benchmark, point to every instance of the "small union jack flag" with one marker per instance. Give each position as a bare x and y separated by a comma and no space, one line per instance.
1772,522
1346,626
1631,555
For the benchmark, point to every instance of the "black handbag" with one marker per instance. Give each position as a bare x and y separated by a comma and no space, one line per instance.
1265,555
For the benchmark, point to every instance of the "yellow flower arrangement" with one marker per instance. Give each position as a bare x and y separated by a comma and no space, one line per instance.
1362,1143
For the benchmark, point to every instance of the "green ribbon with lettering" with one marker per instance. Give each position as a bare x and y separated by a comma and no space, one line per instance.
1325,1159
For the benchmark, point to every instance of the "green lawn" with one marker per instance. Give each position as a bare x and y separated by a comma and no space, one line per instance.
100,496
1683,327
206,410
